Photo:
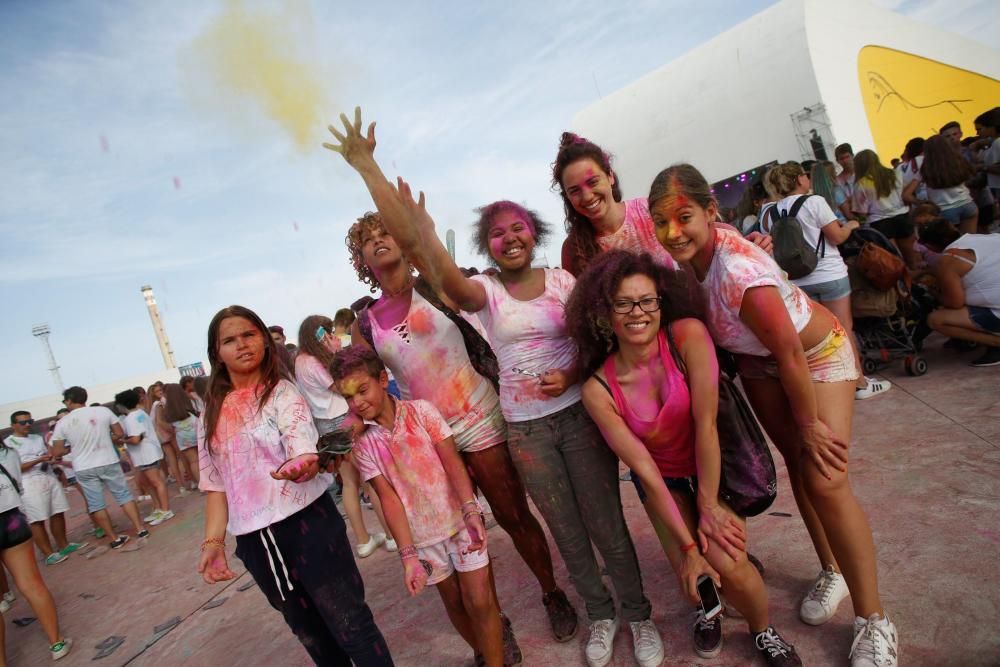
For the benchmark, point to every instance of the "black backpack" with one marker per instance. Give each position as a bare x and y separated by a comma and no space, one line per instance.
792,252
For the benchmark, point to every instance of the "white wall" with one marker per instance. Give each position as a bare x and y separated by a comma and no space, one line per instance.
724,106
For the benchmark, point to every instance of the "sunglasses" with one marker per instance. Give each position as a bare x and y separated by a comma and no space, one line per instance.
25,422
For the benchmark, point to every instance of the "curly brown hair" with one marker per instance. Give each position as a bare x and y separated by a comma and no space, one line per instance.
580,232
589,309
367,223
481,232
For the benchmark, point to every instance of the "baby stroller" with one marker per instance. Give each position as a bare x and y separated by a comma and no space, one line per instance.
885,321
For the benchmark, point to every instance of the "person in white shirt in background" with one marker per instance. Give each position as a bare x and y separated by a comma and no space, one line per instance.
178,410
43,498
342,321
18,557
317,345
92,432
828,283
165,433
145,451
187,384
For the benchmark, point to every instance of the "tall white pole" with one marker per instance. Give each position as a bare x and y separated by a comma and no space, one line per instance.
41,332
161,333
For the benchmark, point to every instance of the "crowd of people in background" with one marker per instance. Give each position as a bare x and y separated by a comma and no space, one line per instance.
455,392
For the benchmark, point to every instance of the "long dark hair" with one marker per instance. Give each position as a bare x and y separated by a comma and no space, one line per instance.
178,404
943,166
884,179
307,338
589,309
580,231
220,384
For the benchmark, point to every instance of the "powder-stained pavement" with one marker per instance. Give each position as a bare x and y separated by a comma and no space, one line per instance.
926,464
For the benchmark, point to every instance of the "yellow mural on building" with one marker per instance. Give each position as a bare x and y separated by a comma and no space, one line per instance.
909,96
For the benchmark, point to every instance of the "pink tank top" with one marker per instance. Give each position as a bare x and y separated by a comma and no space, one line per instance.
670,437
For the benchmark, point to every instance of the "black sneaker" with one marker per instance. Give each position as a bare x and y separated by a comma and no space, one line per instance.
562,616
120,542
775,650
142,533
991,357
511,651
707,635
959,345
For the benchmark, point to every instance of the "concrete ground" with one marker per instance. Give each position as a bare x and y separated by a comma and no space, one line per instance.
926,462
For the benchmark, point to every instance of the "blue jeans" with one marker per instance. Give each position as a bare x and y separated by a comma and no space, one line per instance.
572,477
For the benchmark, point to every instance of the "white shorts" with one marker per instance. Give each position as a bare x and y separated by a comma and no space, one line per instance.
481,427
450,555
43,497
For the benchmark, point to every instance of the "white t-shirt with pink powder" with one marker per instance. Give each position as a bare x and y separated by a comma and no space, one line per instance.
408,459
426,354
737,266
248,445
313,381
637,234
530,335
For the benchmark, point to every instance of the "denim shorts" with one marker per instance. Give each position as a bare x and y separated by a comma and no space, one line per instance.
93,481
680,484
830,290
831,360
959,213
984,319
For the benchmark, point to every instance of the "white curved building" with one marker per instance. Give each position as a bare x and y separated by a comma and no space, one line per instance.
847,70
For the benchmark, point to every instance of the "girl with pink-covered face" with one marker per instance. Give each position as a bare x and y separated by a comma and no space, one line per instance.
568,470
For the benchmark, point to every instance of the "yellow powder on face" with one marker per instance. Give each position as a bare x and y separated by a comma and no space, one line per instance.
267,61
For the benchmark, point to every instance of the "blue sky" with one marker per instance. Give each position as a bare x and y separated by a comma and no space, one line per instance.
470,100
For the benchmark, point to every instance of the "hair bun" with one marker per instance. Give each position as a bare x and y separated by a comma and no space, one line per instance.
570,138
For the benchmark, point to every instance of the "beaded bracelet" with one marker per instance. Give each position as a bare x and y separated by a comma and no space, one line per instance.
478,513
473,502
407,552
689,547
213,541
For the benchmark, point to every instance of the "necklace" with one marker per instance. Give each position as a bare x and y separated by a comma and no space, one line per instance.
407,285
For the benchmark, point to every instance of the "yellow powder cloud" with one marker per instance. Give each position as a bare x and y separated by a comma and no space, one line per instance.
246,59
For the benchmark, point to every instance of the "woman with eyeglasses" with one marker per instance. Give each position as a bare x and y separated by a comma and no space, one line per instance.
317,345
653,392
568,470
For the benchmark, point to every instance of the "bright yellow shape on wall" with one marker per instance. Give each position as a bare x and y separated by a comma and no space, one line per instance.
909,96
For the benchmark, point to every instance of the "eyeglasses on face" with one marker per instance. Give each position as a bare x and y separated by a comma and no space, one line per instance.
650,304
25,422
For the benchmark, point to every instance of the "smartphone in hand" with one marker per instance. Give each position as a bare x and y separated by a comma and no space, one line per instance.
711,603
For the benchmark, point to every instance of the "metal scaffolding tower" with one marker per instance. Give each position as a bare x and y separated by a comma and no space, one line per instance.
41,332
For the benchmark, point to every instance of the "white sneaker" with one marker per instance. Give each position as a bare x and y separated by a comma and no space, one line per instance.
875,642
9,596
390,545
821,602
874,387
143,498
166,516
153,516
368,548
4,605
647,643
601,644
